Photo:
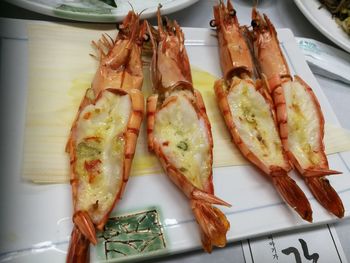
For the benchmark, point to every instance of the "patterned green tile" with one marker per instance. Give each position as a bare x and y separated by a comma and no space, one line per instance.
131,235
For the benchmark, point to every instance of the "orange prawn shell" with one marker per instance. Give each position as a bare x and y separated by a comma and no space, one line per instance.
234,52
170,66
268,51
121,66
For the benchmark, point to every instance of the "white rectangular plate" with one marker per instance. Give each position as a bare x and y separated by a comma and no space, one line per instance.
38,221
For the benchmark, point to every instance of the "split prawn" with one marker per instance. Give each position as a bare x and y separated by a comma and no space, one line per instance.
248,111
103,136
179,131
299,115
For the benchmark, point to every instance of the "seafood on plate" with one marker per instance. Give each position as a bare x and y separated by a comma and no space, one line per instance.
103,136
248,111
179,131
299,115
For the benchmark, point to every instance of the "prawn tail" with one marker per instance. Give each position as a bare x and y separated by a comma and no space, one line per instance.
326,195
79,248
293,195
213,224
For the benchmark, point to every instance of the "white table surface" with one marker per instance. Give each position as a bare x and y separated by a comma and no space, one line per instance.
283,13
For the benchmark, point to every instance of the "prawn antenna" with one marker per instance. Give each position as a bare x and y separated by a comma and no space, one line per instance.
132,8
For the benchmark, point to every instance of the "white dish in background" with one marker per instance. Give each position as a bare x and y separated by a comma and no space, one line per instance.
38,222
322,19
99,10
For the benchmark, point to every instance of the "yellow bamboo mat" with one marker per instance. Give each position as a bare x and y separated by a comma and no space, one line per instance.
60,70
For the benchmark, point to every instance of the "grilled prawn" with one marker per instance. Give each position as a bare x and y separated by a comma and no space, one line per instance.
299,115
103,136
247,109
179,131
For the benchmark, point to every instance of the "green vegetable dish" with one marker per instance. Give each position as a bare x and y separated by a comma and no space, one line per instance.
340,9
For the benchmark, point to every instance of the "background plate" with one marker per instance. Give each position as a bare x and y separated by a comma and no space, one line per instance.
100,10
323,21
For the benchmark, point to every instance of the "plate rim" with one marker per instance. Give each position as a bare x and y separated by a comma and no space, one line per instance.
311,18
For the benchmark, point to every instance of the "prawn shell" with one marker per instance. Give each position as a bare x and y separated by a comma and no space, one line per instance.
235,57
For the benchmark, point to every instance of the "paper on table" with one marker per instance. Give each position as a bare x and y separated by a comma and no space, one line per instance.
312,245
61,71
